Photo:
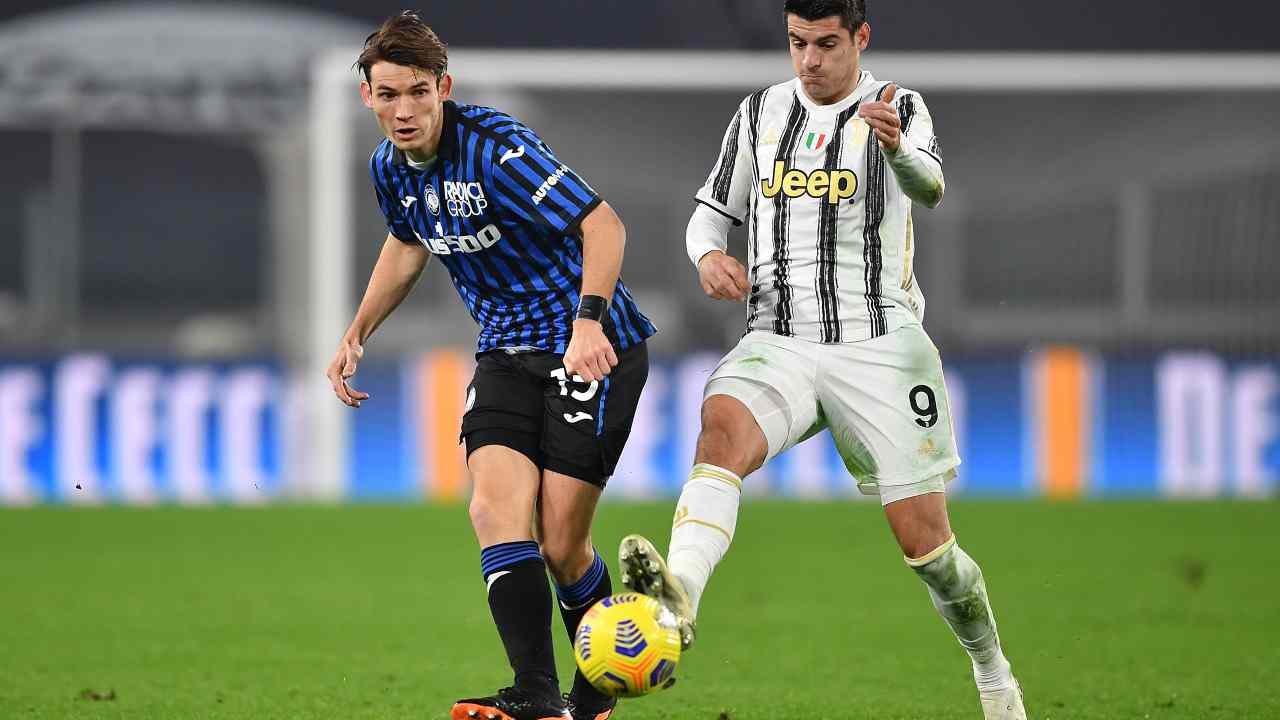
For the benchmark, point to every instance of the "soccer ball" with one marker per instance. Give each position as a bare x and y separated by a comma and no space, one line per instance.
627,645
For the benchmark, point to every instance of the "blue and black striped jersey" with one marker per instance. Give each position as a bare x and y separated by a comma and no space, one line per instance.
503,214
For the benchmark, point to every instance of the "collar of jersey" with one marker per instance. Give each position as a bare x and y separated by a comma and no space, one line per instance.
448,141
865,82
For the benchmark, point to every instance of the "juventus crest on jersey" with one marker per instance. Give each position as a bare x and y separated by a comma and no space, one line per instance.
830,239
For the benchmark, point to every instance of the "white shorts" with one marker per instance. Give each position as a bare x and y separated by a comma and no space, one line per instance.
883,399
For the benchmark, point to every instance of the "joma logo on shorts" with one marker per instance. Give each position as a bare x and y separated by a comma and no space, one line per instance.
834,185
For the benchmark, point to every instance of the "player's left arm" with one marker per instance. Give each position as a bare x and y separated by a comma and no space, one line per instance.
590,354
535,187
905,131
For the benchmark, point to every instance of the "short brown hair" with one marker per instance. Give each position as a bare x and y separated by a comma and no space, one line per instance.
404,40
852,13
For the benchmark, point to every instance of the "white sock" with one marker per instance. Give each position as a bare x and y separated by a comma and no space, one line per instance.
703,526
959,593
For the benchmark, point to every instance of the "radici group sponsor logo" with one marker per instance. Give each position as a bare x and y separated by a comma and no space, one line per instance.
464,199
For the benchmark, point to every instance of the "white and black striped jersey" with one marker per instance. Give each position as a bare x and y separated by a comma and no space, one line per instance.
830,240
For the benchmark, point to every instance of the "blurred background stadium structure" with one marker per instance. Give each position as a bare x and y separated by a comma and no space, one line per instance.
187,225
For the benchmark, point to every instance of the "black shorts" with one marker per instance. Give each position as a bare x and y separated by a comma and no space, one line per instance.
522,400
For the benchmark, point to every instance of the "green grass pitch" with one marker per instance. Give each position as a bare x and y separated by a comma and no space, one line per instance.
1115,610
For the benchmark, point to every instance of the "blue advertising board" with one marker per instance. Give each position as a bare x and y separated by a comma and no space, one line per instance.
1060,422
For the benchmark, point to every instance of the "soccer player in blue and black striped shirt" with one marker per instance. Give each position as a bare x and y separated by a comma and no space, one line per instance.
535,254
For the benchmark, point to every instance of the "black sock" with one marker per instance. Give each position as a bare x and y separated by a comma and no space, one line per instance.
575,601
520,601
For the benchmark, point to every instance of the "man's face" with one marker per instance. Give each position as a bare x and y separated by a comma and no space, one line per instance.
825,55
409,104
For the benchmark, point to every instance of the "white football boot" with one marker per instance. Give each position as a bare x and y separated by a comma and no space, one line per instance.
646,572
1003,704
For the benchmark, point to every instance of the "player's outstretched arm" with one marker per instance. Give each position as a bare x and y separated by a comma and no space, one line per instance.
397,270
590,354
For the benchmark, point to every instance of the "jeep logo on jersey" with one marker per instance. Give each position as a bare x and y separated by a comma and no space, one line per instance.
464,199
549,183
433,201
450,244
834,185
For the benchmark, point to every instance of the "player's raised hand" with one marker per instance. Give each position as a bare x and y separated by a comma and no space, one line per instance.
590,355
722,277
342,368
883,119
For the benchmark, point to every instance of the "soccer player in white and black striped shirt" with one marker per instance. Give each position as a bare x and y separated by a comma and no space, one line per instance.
826,170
